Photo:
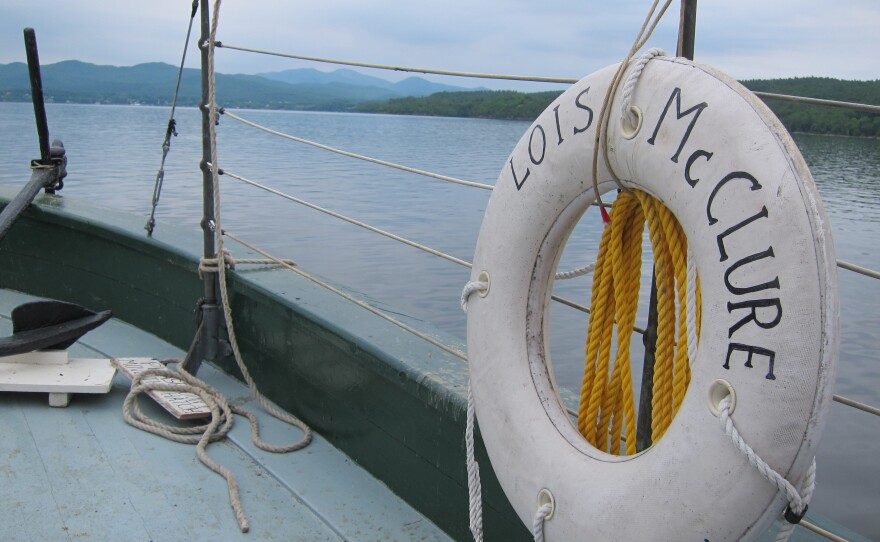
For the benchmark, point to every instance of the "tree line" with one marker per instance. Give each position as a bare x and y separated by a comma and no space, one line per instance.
513,105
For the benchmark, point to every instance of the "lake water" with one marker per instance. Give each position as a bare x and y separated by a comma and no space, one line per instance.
114,153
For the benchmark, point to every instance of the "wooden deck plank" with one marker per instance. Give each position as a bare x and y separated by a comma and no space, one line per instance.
186,501
30,511
347,497
82,482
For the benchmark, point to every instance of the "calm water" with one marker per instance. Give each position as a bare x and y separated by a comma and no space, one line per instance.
114,153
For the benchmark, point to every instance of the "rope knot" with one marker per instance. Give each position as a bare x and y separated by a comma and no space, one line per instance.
211,265
629,87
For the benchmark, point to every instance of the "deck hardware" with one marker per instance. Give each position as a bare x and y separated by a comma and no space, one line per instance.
718,391
630,132
546,497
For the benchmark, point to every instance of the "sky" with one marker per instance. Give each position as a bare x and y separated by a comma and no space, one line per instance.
748,39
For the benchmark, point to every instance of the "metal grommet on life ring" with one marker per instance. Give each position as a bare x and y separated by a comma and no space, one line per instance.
629,132
719,160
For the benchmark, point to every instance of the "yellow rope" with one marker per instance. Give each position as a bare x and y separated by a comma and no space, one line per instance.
607,405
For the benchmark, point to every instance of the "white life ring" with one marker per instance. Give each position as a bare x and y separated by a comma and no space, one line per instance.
732,176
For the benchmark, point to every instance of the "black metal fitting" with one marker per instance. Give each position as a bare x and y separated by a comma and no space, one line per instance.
793,517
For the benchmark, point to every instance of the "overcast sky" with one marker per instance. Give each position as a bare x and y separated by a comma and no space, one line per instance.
565,38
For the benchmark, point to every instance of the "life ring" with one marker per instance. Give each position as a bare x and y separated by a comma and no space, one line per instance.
734,179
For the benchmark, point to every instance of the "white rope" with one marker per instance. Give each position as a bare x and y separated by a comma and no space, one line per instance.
350,220
630,85
359,156
218,237
457,353
807,488
691,306
475,494
798,501
532,78
585,270
538,524
469,288
653,17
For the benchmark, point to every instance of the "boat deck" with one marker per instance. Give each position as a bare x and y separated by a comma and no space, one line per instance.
81,472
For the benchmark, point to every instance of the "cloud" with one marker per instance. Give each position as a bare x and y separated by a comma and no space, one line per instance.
568,38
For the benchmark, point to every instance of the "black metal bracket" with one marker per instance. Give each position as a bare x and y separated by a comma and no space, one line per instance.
49,170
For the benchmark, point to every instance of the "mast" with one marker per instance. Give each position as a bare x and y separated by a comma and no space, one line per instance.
687,29
210,320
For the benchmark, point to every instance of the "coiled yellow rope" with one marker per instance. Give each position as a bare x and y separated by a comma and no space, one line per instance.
607,405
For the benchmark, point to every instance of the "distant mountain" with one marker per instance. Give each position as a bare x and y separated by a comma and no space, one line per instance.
153,84
411,86
306,76
76,81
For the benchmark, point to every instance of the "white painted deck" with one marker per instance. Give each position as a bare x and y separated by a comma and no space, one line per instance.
82,473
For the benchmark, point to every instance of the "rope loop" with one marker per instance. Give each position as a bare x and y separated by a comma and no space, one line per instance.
200,435
629,87
469,288
538,523
798,500
210,265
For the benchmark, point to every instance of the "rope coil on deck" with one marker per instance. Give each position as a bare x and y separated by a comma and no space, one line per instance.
200,435
221,411
224,294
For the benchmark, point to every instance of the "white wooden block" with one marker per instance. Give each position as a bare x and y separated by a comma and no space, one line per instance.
41,357
59,400
77,376
183,406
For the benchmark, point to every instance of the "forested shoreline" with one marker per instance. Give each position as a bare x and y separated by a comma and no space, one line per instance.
512,105
347,91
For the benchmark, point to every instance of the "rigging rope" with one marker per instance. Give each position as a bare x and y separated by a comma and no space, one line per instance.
224,294
355,155
171,130
221,411
457,353
605,111
531,78
560,275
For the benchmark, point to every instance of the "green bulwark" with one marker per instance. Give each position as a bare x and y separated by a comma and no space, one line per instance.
392,402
